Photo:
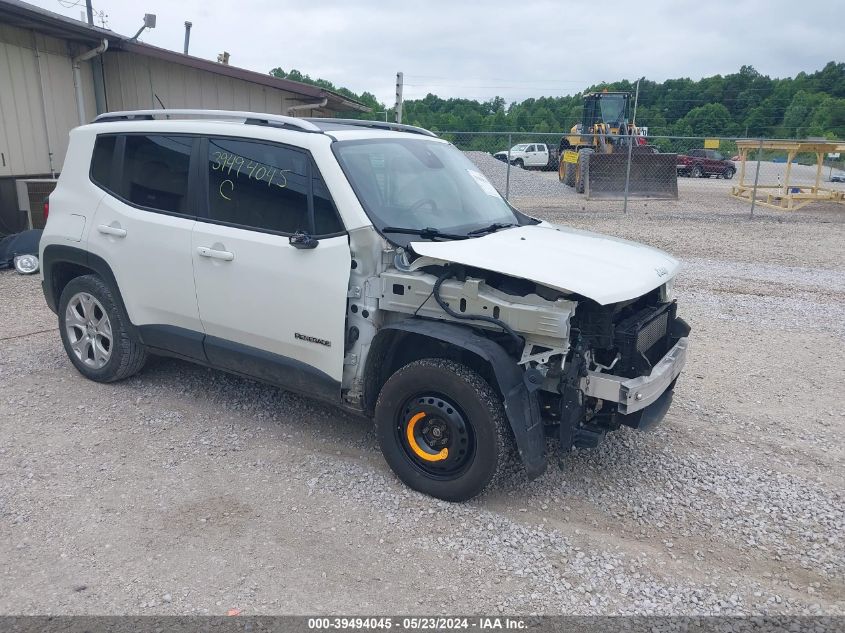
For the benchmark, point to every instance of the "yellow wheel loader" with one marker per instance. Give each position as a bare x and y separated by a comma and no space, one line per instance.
594,155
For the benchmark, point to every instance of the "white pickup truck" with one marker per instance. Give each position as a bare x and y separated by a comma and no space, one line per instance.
530,155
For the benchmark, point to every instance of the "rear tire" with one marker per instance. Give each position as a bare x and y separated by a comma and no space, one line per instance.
583,172
696,172
442,429
95,332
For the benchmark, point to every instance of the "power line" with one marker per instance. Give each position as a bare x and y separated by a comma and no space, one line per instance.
554,81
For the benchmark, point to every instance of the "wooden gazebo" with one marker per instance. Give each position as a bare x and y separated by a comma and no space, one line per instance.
786,195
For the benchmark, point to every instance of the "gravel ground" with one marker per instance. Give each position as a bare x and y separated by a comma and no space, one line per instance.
186,490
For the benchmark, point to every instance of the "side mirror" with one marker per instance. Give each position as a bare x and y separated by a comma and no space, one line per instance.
303,240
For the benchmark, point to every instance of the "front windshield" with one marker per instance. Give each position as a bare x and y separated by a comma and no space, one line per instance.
419,184
519,148
612,108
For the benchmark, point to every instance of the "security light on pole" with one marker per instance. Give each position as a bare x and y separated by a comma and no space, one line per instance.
149,23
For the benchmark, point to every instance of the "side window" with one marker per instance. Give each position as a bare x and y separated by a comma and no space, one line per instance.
530,148
265,186
258,185
155,172
326,220
101,162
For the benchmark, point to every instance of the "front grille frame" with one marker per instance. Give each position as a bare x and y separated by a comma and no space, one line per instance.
643,338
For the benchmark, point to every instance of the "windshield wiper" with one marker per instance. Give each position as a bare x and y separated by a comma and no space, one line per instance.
428,233
496,226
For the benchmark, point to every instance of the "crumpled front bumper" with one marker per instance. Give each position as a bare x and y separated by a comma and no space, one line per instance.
635,394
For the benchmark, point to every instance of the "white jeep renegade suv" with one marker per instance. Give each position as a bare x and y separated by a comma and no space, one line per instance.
369,265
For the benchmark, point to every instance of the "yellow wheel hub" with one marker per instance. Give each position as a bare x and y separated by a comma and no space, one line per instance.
419,451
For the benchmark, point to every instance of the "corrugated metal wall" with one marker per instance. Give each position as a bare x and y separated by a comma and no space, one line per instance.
32,64
132,80
30,61
38,102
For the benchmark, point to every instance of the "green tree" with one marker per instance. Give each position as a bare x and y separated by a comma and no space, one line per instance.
712,119
745,102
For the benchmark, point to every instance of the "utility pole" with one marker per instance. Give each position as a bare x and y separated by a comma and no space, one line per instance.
398,108
636,101
630,148
89,10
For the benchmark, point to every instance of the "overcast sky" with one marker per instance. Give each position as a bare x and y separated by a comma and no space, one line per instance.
513,48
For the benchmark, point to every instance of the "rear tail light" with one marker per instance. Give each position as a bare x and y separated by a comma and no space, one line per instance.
46,208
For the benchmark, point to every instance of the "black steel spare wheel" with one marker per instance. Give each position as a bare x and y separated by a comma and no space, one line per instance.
435,435
442,428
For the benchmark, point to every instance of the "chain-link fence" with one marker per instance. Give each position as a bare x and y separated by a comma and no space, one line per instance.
581,172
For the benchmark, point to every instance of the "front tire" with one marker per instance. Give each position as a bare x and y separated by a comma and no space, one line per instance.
582,174
519,163
728,173
95,332
696,172
442,429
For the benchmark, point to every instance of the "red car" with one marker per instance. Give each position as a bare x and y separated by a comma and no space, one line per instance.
703,163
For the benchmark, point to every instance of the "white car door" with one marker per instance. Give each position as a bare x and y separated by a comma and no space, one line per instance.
272,301
542,155
142,229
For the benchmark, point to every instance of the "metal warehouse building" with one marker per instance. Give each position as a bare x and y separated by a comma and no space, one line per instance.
56,72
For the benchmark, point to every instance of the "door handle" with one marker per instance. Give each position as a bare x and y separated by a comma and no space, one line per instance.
204,251
107,229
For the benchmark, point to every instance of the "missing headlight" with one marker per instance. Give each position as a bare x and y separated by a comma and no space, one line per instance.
667,290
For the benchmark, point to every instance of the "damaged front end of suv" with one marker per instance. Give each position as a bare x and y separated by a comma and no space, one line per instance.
578,333
589,368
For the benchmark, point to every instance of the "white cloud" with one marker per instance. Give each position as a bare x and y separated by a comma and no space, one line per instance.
496,47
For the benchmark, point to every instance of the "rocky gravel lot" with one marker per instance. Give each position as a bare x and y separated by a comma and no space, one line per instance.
186,490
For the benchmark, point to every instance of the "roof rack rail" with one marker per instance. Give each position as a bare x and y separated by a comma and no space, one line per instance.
249,118
381,125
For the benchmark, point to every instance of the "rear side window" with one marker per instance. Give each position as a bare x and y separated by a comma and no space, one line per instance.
102,161
267,187
155,172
